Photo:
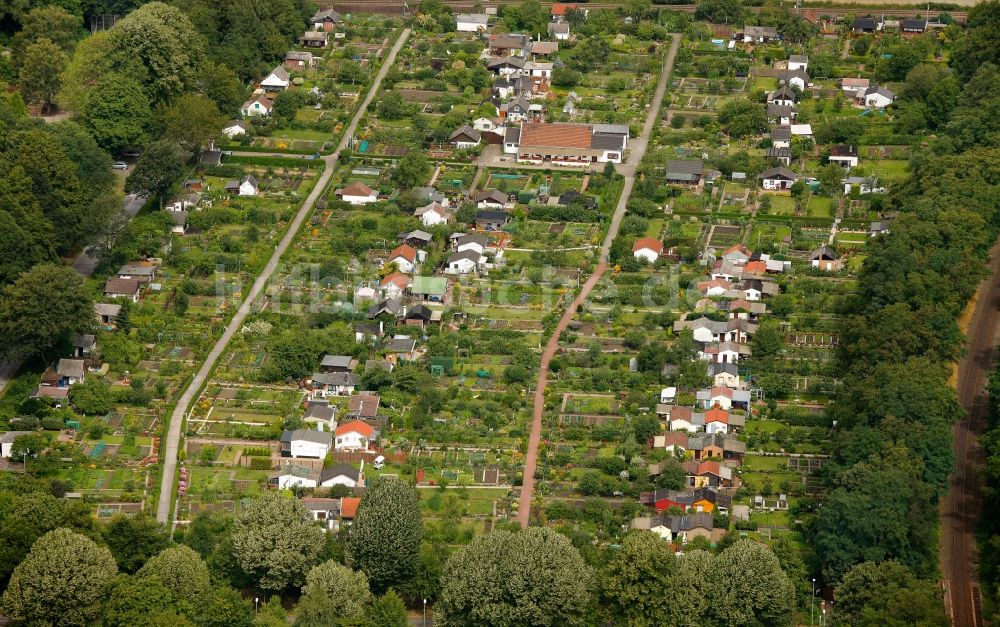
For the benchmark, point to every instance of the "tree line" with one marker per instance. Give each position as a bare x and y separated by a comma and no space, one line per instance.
876,526
989,540
162,80
60,566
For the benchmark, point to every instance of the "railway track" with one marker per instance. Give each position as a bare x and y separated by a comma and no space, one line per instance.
395,7
960,508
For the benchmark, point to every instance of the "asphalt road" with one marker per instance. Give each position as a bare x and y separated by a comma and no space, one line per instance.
85,263
637,148
960,508
173,437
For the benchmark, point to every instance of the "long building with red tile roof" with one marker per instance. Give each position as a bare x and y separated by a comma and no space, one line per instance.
571,144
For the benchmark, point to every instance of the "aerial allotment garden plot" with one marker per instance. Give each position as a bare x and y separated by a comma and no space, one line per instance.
303,104
497,244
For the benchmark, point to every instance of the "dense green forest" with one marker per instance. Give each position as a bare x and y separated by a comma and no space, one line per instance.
896,408
162,80
989,541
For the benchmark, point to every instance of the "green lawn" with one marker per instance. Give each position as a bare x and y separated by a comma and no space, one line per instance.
892,169
763,232
766,83
819,207
655,227
500,313
772,519
758,462
216,483
734,189
852,239
763,426
228,455
691,230
689,203
308,134
782,205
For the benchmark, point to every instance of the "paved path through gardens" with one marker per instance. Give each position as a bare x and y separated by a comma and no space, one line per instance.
637,150
177,417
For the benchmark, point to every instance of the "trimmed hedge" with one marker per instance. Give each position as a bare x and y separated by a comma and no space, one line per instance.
267,150
278,162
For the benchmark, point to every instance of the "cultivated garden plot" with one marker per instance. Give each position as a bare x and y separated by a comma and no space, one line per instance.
325,86
146,352
432,91
412,309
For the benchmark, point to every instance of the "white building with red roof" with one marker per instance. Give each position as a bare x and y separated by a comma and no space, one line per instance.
648,249
357,193
395,285
355,435
716,421
404,256
570,144
432,214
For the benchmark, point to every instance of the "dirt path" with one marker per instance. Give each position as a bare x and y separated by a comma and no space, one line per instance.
637,149
475,179
960,508
172,442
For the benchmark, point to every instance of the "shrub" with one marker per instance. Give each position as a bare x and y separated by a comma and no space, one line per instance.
53,423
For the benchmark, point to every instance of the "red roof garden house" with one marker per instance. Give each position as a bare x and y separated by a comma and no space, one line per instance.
354,436
648,249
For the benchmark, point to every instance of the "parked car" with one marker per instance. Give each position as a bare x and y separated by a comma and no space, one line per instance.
119,165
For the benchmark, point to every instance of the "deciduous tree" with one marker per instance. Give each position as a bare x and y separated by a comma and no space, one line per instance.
388,610
287,103
144,601
19,249
863,519
768,341
720,11
385,536
191,121
49,22
976,46
535,577
41,67
117,112
345,589
411,170
181,570
276,541
743,117
888,593
161,43
750,587
223,86
62,581
226,607
391,106
44,307
133,540
90,63
642,585
158,167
